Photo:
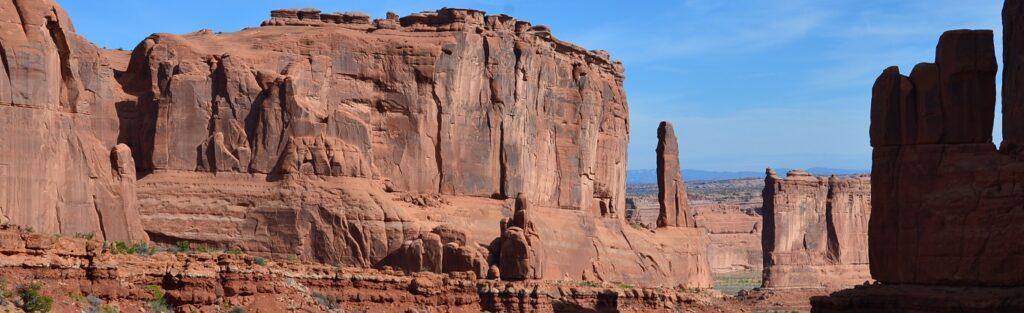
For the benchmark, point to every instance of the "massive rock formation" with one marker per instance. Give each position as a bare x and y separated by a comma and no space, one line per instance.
945,231
671,188
451,102
58,116
815,230
309,136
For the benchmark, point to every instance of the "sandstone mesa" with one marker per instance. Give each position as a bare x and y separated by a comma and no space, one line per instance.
447,142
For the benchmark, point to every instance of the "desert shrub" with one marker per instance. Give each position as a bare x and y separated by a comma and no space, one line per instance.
6,295
32,301
329,302
183,246
261,261
159,303
120,247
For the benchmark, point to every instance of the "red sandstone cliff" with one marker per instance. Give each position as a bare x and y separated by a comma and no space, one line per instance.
815,231
59,171
945,231
329,137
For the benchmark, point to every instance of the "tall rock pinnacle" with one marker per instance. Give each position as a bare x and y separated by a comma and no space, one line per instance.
671,188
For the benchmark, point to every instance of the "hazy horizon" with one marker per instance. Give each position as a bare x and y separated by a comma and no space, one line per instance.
747,84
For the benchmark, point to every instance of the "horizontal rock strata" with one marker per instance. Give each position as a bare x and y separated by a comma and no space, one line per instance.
84,275
815,231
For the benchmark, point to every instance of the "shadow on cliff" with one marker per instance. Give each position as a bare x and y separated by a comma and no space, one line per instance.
137,130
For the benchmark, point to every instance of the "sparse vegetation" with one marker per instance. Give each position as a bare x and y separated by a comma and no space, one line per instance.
86,236
32,300
159,303
6,295
260,261
183,246
236,310
329,302
93,304
586,283
120,247
731,283
622,285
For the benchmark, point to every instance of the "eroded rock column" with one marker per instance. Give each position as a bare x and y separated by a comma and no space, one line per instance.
674,207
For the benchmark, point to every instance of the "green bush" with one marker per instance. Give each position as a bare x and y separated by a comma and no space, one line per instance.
159,303
183,246
33,301
6,295
120,247
261,261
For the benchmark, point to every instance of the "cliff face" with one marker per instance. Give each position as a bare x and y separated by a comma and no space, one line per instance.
59,171
945,232
815,230
452,102
330,137
946,208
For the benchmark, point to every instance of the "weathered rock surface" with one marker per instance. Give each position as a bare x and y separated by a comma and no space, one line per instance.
451,102
519,250
945,210
734,232
815,230
83,275
59,106
674,207
329,137
945,230
921,298
443,250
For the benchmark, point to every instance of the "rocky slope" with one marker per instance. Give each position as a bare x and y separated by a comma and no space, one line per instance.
333,138
90,276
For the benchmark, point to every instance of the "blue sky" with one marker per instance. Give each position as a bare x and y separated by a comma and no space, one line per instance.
748,84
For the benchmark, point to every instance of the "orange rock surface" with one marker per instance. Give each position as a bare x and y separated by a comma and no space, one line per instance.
331,138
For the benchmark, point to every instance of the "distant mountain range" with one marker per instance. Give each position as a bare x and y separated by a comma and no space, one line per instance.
650,176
